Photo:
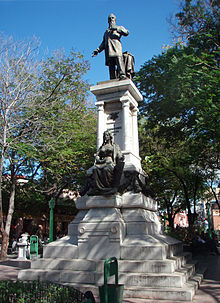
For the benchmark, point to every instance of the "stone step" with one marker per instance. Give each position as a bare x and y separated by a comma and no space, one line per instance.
188,269
145,246
22,264
176,279
64,264
156,252
66,247
182,259
150,266
147,252
153,266
127,252
184,293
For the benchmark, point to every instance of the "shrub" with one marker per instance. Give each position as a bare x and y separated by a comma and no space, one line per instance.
38,292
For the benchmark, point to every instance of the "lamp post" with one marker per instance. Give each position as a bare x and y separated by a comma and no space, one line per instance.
51,206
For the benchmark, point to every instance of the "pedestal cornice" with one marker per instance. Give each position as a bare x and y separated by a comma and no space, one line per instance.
111,86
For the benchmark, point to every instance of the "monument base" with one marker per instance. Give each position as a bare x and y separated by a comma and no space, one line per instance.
151,265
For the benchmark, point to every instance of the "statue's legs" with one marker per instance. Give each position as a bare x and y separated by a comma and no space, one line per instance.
120,67
112,71
113,62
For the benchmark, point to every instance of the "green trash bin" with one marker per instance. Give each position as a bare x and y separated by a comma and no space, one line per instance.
111,293
33,246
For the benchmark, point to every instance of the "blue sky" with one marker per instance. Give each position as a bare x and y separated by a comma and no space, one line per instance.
80,24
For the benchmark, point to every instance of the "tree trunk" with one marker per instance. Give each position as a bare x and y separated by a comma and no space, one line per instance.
188,205
4,247
170,212
6,230
171,222
215,196
3,149
4,235
190,215
170,217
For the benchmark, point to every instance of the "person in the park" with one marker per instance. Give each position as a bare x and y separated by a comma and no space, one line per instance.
113,49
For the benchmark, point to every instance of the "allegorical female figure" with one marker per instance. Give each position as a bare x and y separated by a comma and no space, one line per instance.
105,175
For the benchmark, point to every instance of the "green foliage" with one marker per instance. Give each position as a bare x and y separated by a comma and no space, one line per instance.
56,137
37,292
185,235
180,127
66,141
181,92
47,126
175,175
197,16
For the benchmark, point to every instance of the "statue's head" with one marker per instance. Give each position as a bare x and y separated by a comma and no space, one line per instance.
111,19
107,136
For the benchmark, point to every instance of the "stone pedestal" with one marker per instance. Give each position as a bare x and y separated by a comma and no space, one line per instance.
117,104
23,247
151,265
104,222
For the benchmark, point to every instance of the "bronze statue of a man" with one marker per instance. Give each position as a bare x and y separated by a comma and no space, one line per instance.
113,49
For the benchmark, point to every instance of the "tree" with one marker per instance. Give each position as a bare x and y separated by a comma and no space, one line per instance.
175,176
180,89
71,126
35,95
167,194
195,17
198,23
18,78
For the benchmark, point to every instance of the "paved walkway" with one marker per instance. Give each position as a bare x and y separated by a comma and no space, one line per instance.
209,291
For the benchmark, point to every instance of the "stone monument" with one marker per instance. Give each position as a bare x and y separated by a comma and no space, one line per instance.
118,215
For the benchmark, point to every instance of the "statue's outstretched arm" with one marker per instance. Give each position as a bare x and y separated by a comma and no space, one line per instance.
99,49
